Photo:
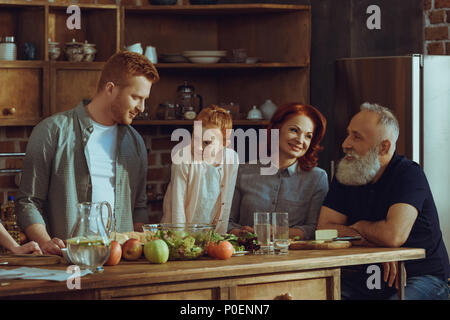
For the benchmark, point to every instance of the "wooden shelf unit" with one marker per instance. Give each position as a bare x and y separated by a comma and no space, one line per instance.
278,34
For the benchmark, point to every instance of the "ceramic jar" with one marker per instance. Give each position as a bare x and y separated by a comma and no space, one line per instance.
74,51
268,108
89,51
53,50
254,114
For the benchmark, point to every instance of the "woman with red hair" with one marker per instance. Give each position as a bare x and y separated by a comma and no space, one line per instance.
298,187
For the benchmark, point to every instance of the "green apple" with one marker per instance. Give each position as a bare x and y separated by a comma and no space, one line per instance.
156,251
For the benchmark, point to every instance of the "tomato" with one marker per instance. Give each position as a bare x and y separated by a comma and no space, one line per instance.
224,250
211,249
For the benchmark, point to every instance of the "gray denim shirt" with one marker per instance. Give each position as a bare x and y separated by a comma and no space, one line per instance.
292,190
56,176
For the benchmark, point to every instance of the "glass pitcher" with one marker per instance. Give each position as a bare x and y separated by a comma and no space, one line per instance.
89,242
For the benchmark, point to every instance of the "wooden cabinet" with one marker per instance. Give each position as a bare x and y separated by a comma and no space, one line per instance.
305,285
22,92
279,35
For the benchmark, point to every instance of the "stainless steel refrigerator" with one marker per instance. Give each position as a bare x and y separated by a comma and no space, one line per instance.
417,88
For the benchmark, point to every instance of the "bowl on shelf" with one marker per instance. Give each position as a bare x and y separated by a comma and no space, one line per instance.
251,60
204,56
186,241
172,58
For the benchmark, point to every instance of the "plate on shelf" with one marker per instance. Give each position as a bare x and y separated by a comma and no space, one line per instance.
204,56
205,53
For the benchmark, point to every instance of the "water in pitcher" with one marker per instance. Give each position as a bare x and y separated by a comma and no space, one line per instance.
89,252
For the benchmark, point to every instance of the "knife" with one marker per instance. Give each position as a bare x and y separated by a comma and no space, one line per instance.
349,238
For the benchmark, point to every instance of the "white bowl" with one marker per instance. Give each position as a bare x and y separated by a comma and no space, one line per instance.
205,53
204,59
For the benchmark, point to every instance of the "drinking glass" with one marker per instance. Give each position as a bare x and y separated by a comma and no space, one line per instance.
280,229
261,225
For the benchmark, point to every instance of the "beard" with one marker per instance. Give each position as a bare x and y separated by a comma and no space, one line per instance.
120,111
359,171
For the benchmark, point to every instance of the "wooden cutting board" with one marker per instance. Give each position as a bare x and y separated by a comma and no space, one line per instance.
29,260
318,245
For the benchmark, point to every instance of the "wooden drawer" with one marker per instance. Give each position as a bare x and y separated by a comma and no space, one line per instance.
200,290
310,285
307,289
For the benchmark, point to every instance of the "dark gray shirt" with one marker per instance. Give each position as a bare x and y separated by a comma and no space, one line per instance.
292,190
56,175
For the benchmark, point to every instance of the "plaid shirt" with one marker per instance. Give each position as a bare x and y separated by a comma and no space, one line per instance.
56,175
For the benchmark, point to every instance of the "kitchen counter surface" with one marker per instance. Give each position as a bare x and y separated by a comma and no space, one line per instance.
220,278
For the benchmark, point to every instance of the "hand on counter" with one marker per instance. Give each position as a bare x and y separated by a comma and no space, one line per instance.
53,246
242,231
29,247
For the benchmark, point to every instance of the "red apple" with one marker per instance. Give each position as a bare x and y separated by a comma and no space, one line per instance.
115,254
132,249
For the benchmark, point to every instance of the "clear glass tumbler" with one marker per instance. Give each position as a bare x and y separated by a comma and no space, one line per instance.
280,229
262,226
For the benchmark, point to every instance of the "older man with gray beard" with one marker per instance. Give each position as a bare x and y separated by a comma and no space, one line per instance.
385,198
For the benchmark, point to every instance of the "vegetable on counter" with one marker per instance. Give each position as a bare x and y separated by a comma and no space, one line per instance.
182,245
247,242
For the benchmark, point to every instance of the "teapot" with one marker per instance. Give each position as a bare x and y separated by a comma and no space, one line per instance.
186,99
89,243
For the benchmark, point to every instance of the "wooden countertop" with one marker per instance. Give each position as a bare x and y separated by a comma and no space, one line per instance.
141,272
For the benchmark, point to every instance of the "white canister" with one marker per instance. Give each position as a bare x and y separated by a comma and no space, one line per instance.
268,108
8,49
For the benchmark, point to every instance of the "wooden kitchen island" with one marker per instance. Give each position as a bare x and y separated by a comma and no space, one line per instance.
303,274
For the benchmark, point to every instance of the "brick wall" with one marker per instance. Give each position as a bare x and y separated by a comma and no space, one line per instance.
12,139
157,138
437,27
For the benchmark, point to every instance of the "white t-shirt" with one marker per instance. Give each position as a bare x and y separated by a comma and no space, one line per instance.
101,158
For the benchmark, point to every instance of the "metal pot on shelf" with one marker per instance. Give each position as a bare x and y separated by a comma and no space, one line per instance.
74,51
